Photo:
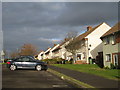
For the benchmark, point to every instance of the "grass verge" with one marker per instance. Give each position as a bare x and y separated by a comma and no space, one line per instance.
73,81
92,69
3,63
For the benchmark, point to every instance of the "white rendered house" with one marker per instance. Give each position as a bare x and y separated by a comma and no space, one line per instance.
54,52
64,54
46,54
91,43
40,55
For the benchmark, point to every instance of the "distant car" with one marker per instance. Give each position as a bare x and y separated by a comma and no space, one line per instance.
26,62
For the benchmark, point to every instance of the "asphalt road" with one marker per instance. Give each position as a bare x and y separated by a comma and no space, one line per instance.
31,79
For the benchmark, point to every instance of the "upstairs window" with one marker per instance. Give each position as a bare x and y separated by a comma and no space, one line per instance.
113,40
118,38
106,40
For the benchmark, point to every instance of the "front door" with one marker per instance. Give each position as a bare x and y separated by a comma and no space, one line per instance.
115,58
18,63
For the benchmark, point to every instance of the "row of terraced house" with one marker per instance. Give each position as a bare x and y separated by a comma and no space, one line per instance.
100,39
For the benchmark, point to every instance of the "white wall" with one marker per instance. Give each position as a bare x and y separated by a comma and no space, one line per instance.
39,55
95,41
63,52
52,54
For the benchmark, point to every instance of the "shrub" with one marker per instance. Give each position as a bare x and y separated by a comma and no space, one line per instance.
49,61
68,62
106,67
112,66
54,61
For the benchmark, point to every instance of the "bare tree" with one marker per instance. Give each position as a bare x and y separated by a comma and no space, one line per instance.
28,49
71,34
73,45
14,54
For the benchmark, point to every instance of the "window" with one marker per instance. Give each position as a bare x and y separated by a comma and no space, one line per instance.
106,40
19,60
25,59
113,40
117,38
78,56
115,58
108,57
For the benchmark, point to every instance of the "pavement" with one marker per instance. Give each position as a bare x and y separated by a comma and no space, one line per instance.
93,80
31,79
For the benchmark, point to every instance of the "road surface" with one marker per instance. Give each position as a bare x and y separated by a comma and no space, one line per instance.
31,79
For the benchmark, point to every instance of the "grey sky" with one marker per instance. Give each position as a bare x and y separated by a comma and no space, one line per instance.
60,0
1,34
43,23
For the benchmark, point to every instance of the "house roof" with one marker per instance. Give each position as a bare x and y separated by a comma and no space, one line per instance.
64,41
41,52
114,29
82,36
56,46
47,51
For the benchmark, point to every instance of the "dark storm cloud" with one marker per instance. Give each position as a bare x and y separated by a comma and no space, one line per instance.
88,13
43,24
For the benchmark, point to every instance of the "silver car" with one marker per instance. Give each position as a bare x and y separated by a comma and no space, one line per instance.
26,62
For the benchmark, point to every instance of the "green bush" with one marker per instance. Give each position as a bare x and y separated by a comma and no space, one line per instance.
106,67
112,66
54,61
68,62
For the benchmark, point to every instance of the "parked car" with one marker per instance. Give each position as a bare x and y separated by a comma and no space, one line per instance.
26,62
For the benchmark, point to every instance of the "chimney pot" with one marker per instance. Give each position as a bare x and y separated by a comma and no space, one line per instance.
55,44
89,28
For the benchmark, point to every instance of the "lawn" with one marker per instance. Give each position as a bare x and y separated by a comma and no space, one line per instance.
2,63
92,69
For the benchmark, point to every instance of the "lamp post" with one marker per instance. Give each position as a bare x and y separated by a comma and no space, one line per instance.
2,56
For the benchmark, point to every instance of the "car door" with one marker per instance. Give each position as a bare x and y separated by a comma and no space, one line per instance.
28,62
18,63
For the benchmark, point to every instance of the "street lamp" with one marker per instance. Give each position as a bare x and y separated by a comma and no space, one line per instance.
2,56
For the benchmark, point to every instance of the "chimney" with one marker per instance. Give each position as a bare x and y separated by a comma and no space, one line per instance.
65,39
55,44
89,28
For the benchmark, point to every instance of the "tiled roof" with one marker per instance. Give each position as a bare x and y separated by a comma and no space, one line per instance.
56,49
47,51
114,29
54,46
82,36
64,41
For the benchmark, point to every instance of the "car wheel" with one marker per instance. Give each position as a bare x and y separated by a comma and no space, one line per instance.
38,67
12,67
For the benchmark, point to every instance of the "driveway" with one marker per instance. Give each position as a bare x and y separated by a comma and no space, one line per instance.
31,79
